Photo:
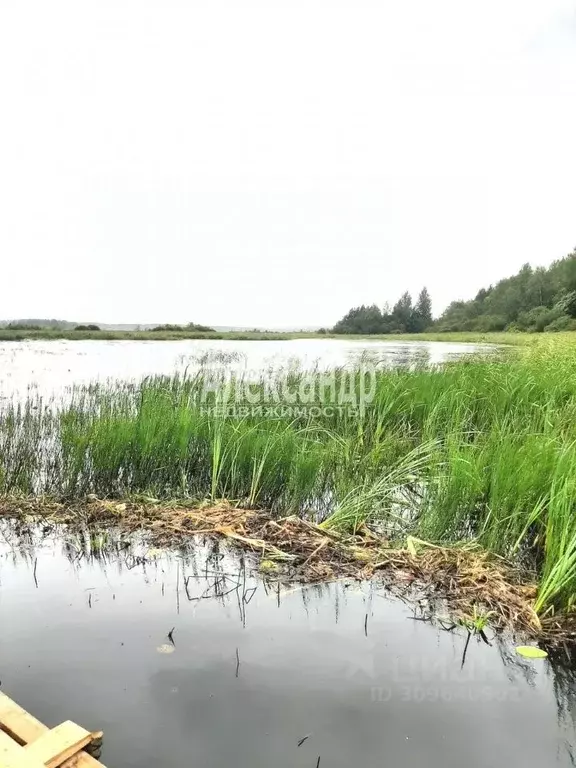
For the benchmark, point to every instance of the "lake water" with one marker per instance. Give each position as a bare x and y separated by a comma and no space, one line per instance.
50,367
255,667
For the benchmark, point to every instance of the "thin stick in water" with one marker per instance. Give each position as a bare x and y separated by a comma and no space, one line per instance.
465,650
178,588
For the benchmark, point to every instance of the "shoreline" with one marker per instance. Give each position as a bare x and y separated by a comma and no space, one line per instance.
465,337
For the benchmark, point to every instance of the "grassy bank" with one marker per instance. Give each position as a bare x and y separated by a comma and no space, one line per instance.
474,337
482,450
511,339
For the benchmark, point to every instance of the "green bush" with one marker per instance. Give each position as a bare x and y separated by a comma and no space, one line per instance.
563,323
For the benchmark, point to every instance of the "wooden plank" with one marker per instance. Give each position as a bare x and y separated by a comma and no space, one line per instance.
12,755
25,728
18,723
55,747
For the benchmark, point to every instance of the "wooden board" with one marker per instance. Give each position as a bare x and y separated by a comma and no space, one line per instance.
18,723
58,744
25,728
12,755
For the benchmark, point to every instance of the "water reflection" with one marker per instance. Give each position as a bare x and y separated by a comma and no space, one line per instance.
256,665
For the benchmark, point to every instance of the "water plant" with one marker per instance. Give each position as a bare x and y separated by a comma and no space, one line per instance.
482,450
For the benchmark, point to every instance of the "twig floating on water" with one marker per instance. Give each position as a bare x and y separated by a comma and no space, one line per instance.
366,625
318,763
35,566
170,636
304,739
237,663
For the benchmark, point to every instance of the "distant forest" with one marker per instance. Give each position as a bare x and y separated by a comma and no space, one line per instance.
404,317
535,300
65,325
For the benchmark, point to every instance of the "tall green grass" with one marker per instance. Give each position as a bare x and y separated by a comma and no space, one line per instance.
484,450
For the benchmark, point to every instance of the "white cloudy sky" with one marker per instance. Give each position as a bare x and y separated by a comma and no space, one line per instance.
273,163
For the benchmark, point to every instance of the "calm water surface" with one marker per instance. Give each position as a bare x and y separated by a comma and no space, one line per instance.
52,366
256,668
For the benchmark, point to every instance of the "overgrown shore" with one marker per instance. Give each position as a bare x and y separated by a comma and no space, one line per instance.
473,457
474,337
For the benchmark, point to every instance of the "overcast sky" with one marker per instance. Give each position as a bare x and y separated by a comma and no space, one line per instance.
274,163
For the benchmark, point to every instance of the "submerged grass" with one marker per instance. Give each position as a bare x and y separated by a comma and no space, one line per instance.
482,450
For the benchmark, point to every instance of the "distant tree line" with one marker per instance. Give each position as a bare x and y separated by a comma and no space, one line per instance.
61,325
404,317
35,325
535,300
190,327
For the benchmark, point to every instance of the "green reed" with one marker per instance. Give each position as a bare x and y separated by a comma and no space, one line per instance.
484,450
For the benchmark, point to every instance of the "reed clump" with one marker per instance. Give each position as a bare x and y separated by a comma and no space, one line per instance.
481,451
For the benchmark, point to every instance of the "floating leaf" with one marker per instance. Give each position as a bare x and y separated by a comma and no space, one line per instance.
267,566
154,553
531,652
165,648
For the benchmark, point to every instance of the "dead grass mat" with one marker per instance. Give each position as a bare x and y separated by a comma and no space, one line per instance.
462,579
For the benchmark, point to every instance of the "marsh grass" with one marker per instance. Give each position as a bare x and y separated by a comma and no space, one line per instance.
481,450
51,334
